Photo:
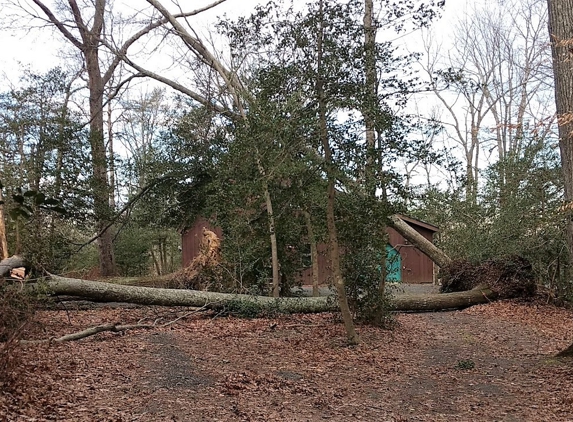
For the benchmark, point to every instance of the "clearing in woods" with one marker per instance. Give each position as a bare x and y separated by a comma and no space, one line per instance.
487,363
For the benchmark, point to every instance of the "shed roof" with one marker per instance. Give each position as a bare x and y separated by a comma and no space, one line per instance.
419,223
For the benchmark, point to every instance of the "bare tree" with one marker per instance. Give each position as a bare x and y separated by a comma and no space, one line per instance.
227,98
88,27
494,81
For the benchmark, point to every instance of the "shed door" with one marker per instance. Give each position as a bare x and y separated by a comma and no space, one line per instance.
393,265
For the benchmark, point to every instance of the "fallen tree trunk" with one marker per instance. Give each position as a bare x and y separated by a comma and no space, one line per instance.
434,253
107,292
8,264
442,301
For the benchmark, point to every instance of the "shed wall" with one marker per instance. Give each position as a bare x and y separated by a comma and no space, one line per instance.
416,266
191,239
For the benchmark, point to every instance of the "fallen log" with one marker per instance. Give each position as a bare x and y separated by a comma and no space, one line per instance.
8,264
442,301
107,292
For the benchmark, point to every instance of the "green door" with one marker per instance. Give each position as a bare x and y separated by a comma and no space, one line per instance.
393,265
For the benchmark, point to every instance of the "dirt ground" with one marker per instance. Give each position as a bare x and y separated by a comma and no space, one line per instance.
488,363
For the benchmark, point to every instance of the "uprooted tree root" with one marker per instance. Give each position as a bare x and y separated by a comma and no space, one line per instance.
509,277
204,268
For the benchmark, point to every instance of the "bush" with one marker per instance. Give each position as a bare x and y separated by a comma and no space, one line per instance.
16,310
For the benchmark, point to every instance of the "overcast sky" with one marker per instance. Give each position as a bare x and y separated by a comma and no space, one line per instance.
38,49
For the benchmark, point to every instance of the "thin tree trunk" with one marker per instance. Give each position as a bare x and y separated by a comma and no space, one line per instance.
371,96
313,254
273,236
163,251
111,156
369,112
272,232
3,241
331,192
155,262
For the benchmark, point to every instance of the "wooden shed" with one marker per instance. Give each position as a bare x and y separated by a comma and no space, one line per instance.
404,263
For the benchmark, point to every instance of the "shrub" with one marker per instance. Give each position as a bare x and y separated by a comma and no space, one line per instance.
16,310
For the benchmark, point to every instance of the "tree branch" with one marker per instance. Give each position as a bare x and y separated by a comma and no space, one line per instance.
114,328
61,27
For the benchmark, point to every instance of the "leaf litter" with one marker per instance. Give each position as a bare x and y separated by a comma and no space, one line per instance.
491,362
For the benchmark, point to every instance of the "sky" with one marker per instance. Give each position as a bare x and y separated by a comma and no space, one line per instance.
39,49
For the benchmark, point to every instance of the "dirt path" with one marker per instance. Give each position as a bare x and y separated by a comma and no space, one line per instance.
488,363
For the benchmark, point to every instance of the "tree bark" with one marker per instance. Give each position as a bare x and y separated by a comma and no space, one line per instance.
561,33
371,97
107,292
313,254
419,241
331,192
89,44
272,229
3,241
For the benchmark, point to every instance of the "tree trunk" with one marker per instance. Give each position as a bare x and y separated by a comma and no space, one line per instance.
107,292
419,241
561,33
313,254
89,44
3,241
272,231
100,185
371,97
111,181
331,192
273,236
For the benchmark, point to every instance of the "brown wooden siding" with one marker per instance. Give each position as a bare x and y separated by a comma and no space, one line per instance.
191,239
416,266
324,268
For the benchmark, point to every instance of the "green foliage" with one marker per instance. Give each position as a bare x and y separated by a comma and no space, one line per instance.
45,168
517,213
465,364
132,247
81,263
364,239
27,204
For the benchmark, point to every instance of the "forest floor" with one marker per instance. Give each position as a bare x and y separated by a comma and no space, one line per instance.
490,362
